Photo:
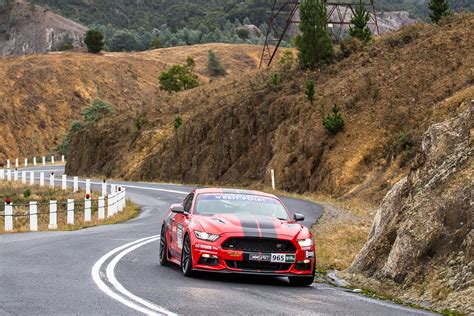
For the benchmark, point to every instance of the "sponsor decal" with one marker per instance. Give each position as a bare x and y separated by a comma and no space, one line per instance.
234,253
238,197
309,254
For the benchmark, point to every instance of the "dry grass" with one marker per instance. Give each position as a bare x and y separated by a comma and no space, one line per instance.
43,195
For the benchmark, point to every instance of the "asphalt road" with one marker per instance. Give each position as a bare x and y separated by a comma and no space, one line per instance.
86,273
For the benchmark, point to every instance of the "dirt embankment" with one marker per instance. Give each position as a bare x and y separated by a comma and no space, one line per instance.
40,95
236,130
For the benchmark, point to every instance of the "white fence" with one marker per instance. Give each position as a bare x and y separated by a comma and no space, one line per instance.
106,205
26,162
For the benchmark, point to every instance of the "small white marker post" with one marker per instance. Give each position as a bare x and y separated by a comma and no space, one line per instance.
2,174
15,175
33,216
104,188
34,161
109,206
51,180
23,177
87,209
52,160
64,182
273,178
62,158
53,215
8,164
9,175
41,179
16,163
70,211
32,178
88,186
44,160
26,162
76,184
8,217
101,207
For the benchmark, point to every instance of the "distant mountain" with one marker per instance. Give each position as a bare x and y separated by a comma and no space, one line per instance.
27,29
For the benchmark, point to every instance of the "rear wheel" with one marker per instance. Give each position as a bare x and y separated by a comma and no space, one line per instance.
163,247
302,280
186,258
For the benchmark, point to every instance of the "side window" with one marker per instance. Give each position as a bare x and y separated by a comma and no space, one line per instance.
188,202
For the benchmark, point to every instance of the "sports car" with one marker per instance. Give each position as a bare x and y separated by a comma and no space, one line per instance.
237,231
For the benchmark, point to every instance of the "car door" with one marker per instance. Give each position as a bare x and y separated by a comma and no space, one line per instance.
178,222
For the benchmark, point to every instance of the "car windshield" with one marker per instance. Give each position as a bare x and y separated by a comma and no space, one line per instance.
246,204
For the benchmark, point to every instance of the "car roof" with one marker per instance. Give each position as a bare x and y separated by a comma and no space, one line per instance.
234,191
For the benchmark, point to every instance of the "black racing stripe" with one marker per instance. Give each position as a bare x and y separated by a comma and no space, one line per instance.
249,225
267,227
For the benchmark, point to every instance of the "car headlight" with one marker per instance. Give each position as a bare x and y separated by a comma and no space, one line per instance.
206,236
305,242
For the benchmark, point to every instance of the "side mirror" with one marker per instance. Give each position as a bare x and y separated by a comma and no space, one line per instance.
177,208
298,217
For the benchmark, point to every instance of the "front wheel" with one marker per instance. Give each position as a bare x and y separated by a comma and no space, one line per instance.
163,248
301,281
186,258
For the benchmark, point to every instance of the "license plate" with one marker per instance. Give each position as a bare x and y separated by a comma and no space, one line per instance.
272,257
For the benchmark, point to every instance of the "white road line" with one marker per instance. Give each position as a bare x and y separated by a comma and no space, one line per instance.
95,272
110,273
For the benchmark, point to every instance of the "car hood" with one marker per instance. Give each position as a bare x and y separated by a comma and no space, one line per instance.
248,225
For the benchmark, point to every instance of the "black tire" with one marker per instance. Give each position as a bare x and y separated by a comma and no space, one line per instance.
186,258
163,248
301,281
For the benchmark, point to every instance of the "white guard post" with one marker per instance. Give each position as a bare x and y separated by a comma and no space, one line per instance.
273,178
41,179
8,164
16,163
88,186
2,174
101,207
53,215
109,206
62,159
76,184
44,160
33,216
52,160
8,217
26,162
87,209
15,175
104,188
9,175
70,211
51,180
32,177
64,182
23,177
34,161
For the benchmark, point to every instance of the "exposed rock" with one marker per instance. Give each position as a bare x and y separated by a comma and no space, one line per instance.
28,29
424,224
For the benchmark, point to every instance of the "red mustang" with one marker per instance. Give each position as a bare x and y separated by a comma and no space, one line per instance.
237,231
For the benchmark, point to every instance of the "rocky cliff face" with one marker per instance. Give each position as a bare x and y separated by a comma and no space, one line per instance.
423,232
29,29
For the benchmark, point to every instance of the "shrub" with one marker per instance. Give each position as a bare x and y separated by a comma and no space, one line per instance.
97,111
275,80
286,61
214,65
190,63
94,41
178,78
63,147
350,45
178,121
138,123
310,91
156,43
26,193
334,122
401,144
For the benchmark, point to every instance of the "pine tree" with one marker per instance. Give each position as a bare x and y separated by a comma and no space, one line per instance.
439,9
314,44
310,91
94,41
214,65
359,28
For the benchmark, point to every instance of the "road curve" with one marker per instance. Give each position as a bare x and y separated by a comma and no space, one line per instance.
114,269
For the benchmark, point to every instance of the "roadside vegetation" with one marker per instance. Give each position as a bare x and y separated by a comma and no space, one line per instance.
20,195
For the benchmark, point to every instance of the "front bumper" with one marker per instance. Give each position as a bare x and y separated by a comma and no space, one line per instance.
211,257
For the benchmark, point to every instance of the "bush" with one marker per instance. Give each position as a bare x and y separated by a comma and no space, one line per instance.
404,36
275,80
94,41
286,61
401,144
138,123
310,91
334,122
178,121
26,193
214,65
75,126
190,63
97,111
178,78
350,45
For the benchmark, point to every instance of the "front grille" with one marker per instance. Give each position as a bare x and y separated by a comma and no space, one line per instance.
251,244
260,266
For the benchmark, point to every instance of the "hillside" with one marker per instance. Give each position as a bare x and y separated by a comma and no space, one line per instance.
389,94
40,95
29,29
